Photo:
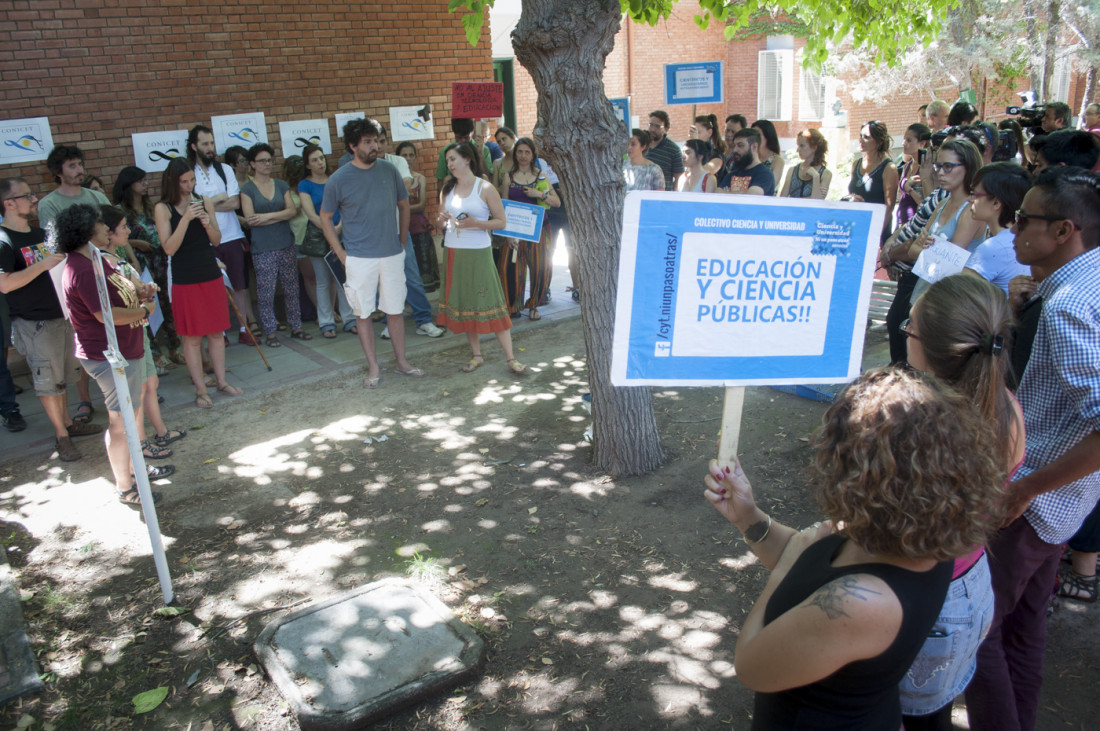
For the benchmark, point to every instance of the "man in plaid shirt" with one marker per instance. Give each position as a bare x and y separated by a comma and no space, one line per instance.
1057,232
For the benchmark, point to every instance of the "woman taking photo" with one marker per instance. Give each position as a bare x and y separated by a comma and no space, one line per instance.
472,301
311,191
875,176
917,138
844,614
524,182
268,208
999,190
639,172
131,193
695,179
706,129
76,230
770,154
188,229
809,178
419,229
959,331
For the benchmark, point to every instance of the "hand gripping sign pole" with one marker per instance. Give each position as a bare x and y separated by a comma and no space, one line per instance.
126,406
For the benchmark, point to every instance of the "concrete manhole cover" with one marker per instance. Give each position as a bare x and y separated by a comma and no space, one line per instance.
360,656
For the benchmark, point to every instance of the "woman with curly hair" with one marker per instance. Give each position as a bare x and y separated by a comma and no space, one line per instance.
75,231
959,331
188,230
844,613
809,178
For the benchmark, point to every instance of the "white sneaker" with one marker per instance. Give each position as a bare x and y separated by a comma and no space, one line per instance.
385,333
430,329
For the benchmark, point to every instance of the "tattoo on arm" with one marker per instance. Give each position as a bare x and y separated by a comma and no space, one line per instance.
830,598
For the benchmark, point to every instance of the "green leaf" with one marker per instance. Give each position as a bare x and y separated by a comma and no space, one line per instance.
150,699
169,612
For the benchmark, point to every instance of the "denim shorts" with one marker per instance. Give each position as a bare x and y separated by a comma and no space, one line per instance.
948,659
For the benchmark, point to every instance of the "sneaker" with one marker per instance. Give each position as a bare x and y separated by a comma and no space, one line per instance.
430,329
13,421
66,450
385,333
245,338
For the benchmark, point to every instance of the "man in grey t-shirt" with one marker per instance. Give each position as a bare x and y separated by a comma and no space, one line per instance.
366,193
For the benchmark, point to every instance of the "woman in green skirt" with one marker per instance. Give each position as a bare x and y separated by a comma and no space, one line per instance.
472,301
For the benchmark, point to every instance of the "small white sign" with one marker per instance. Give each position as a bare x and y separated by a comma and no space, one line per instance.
25,140
411,123
154,150
245,130
299,133
941,259
343,118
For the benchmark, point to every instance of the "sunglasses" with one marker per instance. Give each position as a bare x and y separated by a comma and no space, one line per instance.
904,329
1022,219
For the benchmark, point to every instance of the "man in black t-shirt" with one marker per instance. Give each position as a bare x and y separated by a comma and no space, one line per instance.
746,174
39,328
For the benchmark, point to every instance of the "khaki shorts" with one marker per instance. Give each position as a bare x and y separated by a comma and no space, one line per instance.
48,347
100,371
370,278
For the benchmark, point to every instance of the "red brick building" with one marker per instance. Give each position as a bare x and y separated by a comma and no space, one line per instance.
104,69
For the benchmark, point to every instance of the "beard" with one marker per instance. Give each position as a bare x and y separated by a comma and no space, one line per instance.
367,158
740,159
207,158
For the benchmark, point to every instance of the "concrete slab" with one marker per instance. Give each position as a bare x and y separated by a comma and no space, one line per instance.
18,670
362,655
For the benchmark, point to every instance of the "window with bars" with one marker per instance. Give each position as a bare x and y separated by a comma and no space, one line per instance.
811,96
775,85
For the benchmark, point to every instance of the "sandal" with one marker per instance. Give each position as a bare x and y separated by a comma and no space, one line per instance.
372,381
153,451
203,401
84,412
516,367
255,329
157,473
172,435
534,314
1073,585
354,329
230,390
300,335
272,342
282,327
411,373
476,362
328,334
133,497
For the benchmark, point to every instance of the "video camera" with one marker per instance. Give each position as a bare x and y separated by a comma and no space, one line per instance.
1030,113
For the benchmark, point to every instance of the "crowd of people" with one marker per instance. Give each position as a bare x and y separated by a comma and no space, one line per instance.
986,425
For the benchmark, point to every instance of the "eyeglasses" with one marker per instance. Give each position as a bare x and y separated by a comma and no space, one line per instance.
946,167
1022,219
904,329
31,196
976,194
263,161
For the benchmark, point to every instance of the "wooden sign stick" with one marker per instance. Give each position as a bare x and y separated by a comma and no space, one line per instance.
731,426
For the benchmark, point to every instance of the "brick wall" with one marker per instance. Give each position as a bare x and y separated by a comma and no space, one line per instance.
103,69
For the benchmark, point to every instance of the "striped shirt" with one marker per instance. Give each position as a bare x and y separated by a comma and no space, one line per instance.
667,154
1060,392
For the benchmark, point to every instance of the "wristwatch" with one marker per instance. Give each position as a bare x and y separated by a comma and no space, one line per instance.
144,309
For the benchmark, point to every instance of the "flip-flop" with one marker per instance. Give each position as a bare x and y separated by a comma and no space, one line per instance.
328,334
84,418
372,382
230,390
411,373
300,335
475,362
516,367
203,401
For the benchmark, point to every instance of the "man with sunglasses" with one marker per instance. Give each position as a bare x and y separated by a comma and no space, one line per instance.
1057,232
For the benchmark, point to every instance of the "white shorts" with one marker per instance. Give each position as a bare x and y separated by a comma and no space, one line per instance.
370,278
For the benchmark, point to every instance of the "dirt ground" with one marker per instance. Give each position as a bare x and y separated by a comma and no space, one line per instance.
605,604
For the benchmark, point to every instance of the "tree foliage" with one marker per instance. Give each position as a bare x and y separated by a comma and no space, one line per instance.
884,30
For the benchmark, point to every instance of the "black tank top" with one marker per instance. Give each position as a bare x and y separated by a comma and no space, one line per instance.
863,694
194,261
869,186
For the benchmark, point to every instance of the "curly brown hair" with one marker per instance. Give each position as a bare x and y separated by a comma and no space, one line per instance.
910,467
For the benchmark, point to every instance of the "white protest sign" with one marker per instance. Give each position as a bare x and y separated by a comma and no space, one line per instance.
245,130
343,118
299,133
411,123
25,140
941,259
154,150
741,290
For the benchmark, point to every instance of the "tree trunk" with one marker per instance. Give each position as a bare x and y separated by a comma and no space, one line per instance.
1050,46
564,44
1031,10
1090,88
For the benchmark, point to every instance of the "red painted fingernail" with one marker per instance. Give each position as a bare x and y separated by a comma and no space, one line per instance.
718,475
727,470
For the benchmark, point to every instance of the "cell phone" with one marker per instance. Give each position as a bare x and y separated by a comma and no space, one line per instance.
462,215
922,156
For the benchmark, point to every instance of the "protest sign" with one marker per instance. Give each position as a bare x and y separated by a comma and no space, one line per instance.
343,118
154,150
477,100
742,290
299,133
245,130
622,109
941,259
693,83
524,221
411,123
25,140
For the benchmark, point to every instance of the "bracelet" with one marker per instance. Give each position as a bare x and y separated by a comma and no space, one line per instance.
144,309
753,530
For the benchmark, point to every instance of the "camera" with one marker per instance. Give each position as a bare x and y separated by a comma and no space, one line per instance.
1030,113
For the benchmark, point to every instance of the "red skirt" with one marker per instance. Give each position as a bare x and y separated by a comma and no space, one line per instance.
200,309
